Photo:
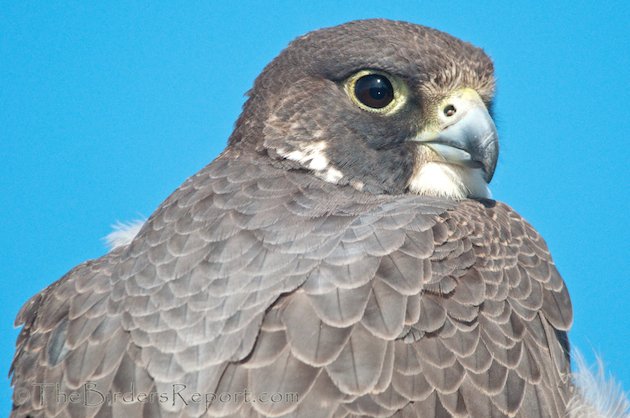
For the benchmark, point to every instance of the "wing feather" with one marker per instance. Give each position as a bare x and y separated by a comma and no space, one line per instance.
252,277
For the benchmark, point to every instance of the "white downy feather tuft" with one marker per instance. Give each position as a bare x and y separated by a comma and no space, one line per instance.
597,394
123,233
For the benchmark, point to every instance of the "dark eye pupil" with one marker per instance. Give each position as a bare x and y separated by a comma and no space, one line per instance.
374,90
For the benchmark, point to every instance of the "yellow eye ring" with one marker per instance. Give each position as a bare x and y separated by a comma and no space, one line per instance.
376,91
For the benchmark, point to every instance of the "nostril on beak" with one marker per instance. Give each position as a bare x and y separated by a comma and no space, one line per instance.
449,110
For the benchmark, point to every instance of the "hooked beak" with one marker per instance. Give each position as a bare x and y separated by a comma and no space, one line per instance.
466,134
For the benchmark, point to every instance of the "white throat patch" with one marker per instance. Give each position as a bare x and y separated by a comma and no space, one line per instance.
450,181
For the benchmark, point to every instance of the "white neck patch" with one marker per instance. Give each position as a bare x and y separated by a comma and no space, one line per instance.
313,157
431,179
450,181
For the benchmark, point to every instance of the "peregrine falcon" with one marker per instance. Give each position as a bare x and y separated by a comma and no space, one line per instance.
341,258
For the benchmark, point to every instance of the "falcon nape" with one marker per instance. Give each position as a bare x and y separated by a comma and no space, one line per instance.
341,258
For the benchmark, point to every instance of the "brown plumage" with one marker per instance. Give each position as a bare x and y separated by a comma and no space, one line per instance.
299,263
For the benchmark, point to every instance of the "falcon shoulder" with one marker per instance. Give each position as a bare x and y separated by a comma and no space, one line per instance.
251,278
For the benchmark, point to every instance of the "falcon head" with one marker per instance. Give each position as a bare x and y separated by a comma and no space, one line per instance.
382,106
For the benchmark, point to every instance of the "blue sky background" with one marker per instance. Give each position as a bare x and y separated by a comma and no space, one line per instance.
106,108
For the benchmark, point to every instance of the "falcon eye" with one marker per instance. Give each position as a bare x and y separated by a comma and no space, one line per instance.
374,90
